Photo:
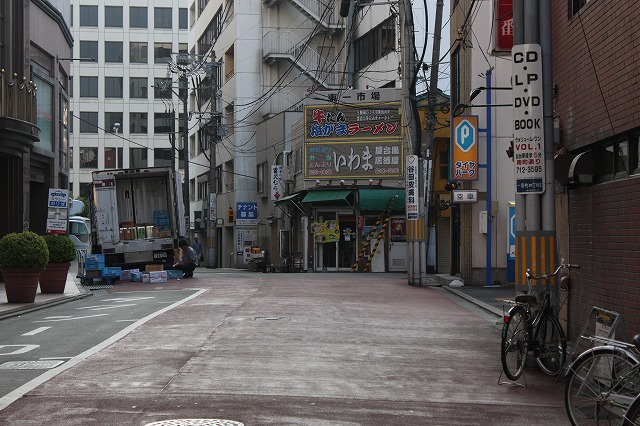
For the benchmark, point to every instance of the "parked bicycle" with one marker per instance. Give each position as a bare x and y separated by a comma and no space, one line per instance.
540,334
603,382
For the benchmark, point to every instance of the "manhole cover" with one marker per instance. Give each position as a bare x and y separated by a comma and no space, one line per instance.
29,365
196,422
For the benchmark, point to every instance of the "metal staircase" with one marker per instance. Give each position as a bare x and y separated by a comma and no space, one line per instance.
316,10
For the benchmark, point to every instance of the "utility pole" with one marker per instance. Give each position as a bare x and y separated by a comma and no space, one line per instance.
183,62
213,132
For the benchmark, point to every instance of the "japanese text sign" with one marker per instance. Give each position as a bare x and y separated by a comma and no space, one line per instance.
247,214
277,183
503,25
412,188
465,148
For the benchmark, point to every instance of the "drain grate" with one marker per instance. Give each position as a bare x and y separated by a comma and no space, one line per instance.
97,286
196,422
29,365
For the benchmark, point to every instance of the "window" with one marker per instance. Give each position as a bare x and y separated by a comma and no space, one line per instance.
113,87
88,122
138,122
260,174
138,52
203,186
88,16
88,87
85,190
162,88
137,158
110,120
192,189
162,53
577,5
162,122
138,87
375,44
229,64
613,160
89,49
162,17
443,162
183,19
88,158
113,16
138,17
162,157
113,51
45,112
229,173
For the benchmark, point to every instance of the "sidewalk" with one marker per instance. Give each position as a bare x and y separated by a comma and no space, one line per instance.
491,299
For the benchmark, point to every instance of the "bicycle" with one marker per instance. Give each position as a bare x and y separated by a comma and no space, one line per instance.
603,382
632,416
540,334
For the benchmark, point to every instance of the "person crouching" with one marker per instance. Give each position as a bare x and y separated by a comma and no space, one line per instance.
187,263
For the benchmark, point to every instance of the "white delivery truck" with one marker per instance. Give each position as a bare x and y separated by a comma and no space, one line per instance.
137,216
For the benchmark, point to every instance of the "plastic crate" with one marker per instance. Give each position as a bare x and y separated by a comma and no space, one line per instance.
136,277
174,274
111,271
94,262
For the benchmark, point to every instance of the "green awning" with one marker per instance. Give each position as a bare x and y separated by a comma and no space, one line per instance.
330,195
288,198
377,199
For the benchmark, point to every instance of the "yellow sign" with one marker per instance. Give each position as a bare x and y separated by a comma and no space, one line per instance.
326,232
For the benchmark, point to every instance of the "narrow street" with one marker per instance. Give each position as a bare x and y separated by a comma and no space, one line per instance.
296,349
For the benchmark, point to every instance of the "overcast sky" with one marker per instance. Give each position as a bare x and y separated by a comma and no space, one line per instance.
421,25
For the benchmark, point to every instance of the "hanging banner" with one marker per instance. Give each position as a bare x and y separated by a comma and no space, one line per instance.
465,148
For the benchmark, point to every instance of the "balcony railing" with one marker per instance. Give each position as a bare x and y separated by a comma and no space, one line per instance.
18,98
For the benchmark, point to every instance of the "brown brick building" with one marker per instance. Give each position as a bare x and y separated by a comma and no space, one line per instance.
596,70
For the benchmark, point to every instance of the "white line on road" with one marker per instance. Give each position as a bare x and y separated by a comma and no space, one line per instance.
36,331
100,308
12,396
71,318
22,349
127,299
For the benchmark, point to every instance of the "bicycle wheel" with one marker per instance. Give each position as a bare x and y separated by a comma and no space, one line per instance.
552,345
596,392
513,348
632,417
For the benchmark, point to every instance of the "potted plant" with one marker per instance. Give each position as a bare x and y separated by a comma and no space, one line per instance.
23,256
61,252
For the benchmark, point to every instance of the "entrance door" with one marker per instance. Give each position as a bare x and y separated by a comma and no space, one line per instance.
347,243
326,252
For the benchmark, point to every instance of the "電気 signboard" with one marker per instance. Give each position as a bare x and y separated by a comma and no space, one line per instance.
528,128
465,148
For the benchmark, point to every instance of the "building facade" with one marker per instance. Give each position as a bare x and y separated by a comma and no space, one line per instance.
34,91
127,104
598,203
270,60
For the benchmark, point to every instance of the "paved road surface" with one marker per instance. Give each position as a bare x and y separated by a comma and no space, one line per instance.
297,349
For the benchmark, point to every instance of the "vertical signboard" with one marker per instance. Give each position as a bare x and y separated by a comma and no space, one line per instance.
503,25
213,212
57,213
246,214
528,131
277,182
412,187
465,148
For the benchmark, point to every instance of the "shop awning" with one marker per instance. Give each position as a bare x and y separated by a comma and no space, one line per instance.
288,198
377,199
330,195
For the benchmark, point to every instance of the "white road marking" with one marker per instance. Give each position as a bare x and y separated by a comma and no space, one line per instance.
36,331
12,396
71,318
23,349
100,308
128,299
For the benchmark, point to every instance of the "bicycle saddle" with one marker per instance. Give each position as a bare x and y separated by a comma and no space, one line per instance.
526,298
636,341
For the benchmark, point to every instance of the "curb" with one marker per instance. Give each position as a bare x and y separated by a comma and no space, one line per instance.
491,309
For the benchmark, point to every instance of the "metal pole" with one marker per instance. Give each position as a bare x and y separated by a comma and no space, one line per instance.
212,232
185,150
548,198
489,195
518,38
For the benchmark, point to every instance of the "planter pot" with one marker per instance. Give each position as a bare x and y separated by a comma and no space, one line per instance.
54,278
20,285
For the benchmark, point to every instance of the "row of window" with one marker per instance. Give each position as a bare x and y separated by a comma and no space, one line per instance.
138,51
163,122
113,157
138,87
618,158
138,17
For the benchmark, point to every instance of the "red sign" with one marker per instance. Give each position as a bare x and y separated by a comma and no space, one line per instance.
503,26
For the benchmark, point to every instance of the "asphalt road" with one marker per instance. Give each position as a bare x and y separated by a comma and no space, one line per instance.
294,349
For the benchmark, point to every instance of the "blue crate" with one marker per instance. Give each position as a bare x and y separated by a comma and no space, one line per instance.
174,274
94,262
136,277
111,271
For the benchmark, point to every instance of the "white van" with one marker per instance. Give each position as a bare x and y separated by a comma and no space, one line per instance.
80,233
